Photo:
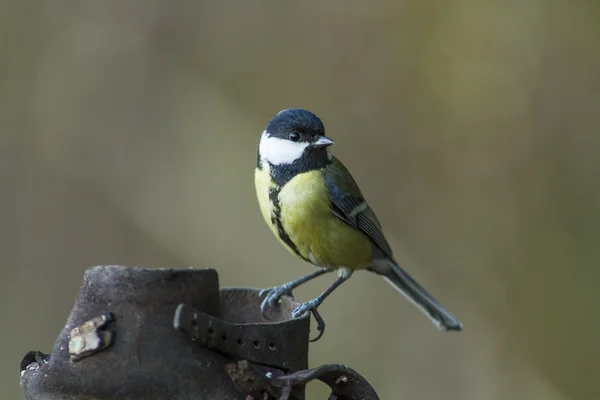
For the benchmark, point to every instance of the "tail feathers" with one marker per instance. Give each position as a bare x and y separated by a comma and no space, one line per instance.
414,292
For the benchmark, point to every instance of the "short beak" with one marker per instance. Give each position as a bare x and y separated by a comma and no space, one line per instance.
322,141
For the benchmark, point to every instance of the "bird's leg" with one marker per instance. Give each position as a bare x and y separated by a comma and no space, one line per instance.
273,294
343,275
311,306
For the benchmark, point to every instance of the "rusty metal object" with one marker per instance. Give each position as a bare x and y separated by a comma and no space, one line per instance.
255,381
148,359
345,383
149,334
276,344
261,383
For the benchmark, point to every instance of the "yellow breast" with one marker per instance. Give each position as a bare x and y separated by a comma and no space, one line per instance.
263,184
307,219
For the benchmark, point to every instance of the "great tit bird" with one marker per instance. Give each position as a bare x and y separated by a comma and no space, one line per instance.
316,210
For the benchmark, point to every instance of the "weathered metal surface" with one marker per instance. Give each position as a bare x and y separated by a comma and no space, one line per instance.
278,344
345,383
261,383
138,333
148,358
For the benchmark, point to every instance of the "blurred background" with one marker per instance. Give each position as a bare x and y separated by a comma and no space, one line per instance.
128,135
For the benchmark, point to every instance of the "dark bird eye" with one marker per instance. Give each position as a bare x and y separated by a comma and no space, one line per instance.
294,136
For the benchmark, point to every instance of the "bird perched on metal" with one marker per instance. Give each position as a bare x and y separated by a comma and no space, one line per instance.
317,211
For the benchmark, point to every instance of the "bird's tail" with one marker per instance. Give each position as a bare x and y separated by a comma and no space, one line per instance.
406,285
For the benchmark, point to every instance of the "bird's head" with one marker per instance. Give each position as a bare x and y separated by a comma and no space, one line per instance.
294,136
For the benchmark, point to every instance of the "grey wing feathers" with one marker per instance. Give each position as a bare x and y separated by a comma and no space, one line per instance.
355,211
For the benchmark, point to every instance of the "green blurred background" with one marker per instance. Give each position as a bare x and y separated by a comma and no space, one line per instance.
128,135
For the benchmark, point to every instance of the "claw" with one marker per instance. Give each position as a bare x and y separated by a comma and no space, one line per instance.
311,306
320,325
300,310
272,296
263,307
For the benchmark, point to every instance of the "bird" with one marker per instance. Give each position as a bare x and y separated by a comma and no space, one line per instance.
313,205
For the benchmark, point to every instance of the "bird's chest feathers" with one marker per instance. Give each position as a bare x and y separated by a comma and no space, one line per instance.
306,217
297,207
304,200
299,214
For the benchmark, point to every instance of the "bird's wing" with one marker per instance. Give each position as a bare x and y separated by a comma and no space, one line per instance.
349,205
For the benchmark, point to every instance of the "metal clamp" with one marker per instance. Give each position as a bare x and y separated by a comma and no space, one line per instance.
261,343
345,383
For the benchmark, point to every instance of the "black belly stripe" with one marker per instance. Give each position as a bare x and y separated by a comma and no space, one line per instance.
276,220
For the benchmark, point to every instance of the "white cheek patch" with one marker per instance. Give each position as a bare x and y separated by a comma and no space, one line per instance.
280,151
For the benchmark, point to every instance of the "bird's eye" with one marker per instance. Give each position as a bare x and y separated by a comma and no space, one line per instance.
294,136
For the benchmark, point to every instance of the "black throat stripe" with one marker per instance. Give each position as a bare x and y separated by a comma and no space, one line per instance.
276,220
283,173
280,176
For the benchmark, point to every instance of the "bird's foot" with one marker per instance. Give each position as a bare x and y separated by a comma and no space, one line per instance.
311,306
272,296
